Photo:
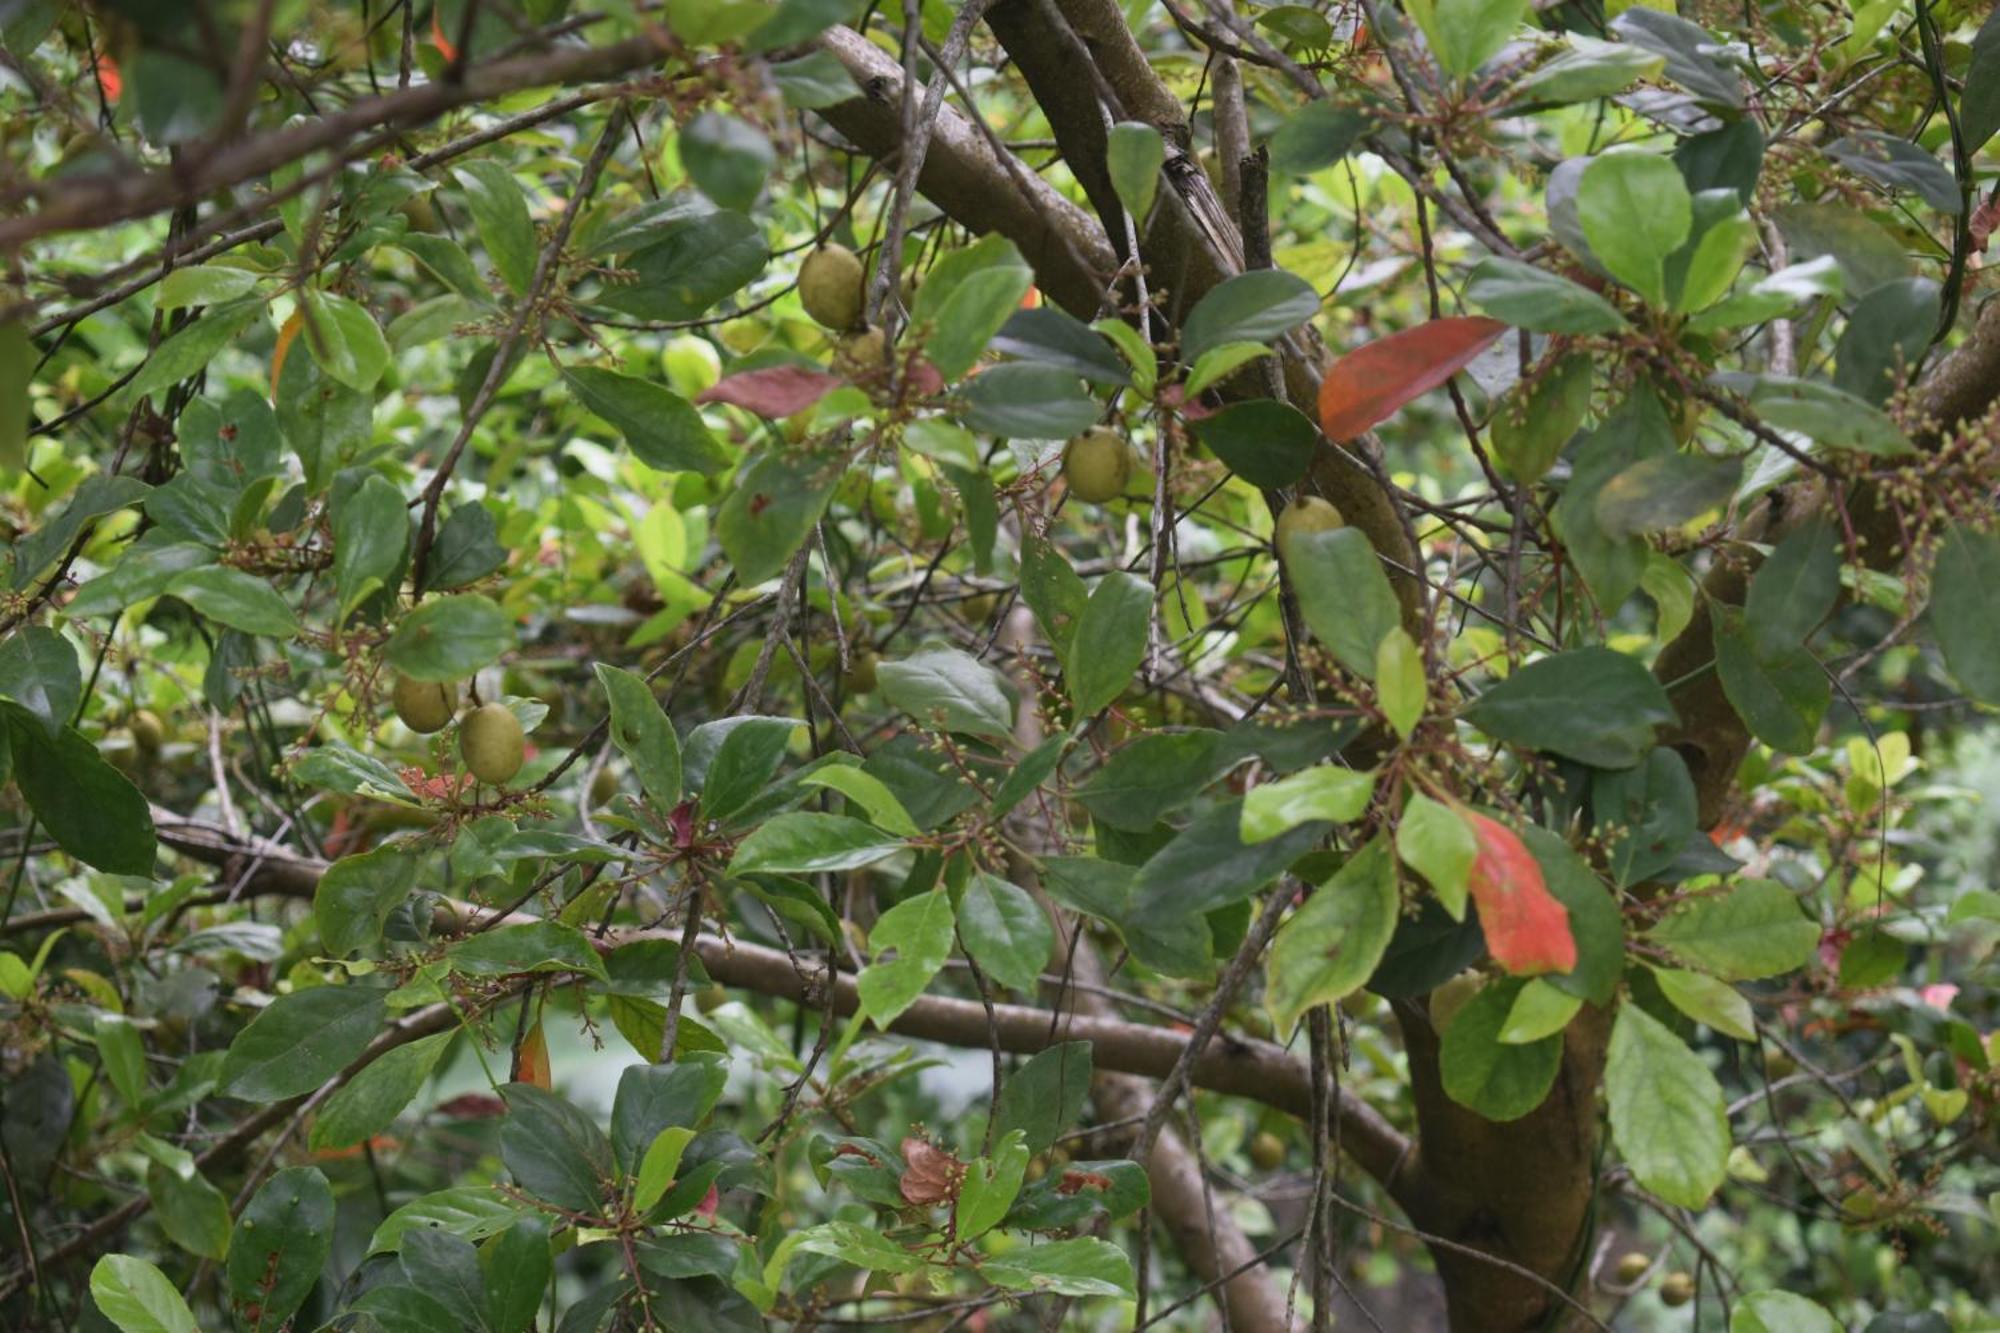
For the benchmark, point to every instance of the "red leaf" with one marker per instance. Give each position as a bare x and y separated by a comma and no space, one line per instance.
776,392
531,1065
1527,930
1371,383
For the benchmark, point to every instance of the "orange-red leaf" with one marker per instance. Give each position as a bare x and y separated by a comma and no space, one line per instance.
1371,383
1527,930
439,40
288,334
532,1065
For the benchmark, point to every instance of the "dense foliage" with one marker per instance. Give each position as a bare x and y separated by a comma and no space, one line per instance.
710,663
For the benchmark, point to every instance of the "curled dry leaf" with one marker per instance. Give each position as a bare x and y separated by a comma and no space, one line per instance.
932,1175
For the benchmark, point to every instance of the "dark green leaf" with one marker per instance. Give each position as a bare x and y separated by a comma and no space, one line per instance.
92,811
642,733
1664,491
1316,136
302,1040
655,1097
1251,307
281,1243
1498,1080
690,266
662,428
467,549
1152,776
449,638
369,1103
775,503
1330,946
1645,814
371,535
1886,336
1781,698
500,212
805,843
1208,865
554,1151
1593,705
355,895
726,158
1026,401
234,598
950,690
1897,164
1110,641
1267,443
38,671
1343,594
1793,590
1690,51
1044,1098
1963,612
1053,338
1531,298
530,946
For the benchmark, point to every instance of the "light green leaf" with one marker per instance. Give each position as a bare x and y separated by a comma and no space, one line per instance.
137,1297
1325,792
806,843
951,690
1110,641
1667,1111
1400,686
1701,997
1636,211
1540,1010
1435,841
1484,1073
1085,1266
867,791
1134,154
1005,931
1331,945
1752,930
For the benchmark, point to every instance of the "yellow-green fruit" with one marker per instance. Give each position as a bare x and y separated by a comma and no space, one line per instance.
1037,1168
148,732
1449,998
491,743
603,787
858,353
860,677
692,364
1632,1267
424,705
420,212
833,287
1267,1150
1676,1289
711,997
979,608
1306,514
1097,465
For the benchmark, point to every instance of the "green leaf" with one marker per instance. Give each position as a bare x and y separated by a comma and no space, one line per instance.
1085,1266
1690,51
990,1187
643,734
1044,1098
1635,210
1325,792
688,266
189,1209
1330,946
1052,590
1487,1075
38,671
300,1041
530,946
1208,865
652,1098
1218,363
1531,298
1315,137
1784,1311
236,599
123,1055
727,158
1979,100
1005,932
1055,338
967,298
517,1270
738,769
1540,1010
345,339
1595,920
1437,843
772,509
919,931
17,371
1257,306
1962,611
369,1103
1754,929
951,690
500,212
1716,259
659,425
449,638
806,843
205,284
1530,428
91,809
137,1297
868,792
1886,337
1588,70
1667,1112
371,536
1343,594
1704,999
1820,411
1897,164
1025,401
190,349
813,81
1796,588
1133,155
1267,443
281,1242
554,1151
659,1166
1400,685
1665,491
1783,698
357,895
1151,776
1465,34
1645,815
1594,705
1110,641
471,1211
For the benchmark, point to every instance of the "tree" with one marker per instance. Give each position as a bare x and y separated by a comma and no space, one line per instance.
1376,603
